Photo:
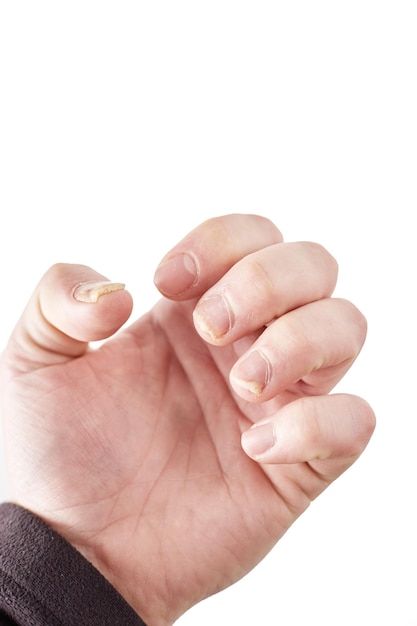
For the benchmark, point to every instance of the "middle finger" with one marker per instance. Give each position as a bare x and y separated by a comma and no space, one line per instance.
263,286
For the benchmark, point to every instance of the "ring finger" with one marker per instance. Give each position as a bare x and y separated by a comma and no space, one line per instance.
304,352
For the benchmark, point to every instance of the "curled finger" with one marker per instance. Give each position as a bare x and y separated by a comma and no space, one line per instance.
262,287
328,432
306,351
205,254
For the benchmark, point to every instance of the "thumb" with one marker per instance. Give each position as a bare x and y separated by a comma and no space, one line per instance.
71,306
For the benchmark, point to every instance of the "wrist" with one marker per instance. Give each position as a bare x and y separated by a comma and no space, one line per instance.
123,574
43,575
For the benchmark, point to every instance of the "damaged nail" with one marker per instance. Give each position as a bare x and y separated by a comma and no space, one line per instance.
91,291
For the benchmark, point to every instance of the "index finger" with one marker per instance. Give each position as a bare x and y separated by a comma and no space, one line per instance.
209,250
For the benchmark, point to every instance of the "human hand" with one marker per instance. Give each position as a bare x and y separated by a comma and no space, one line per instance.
133,451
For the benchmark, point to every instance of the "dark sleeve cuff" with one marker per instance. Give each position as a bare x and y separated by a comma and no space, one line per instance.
44,581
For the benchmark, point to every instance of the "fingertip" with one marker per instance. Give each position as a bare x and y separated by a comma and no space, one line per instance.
258,440
104,310
94,307
176,274
251,375
111,306
366,420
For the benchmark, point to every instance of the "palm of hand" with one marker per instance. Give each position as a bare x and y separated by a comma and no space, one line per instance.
144,461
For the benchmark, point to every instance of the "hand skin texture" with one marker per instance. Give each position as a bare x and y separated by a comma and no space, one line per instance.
176,454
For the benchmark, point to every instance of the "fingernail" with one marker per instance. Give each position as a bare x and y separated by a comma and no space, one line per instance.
177,274
92,290
258,439
252,373
213,316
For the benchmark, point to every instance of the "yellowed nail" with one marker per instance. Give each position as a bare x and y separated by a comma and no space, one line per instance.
92,290
253,386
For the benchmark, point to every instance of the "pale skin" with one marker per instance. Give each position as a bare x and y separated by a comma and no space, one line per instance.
165,456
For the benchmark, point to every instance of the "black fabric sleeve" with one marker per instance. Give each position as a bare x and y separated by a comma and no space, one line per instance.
44,581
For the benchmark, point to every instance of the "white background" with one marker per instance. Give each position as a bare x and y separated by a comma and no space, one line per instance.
125,124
